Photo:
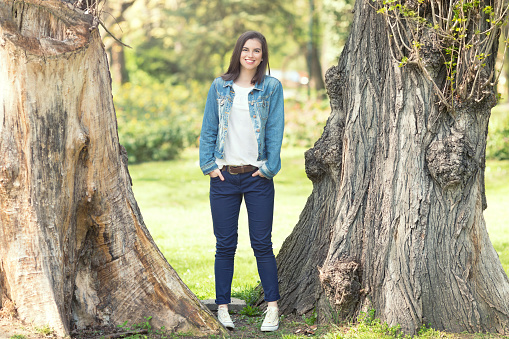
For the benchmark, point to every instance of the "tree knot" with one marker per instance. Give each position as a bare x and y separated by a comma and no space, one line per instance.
334,83
451,161
9,173
326,154
341,282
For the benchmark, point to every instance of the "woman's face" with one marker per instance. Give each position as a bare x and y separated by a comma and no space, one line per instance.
251,55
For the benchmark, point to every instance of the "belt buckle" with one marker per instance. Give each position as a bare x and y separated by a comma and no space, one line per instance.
229,170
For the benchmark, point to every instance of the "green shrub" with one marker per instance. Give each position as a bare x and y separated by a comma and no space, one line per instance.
311,320
304,120
157,121
497,143
45,330
497,146
249,293
251,311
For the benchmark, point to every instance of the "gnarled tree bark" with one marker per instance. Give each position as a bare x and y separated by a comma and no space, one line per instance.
394,222
74,250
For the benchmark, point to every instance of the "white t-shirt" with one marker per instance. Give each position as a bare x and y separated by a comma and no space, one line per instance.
240,147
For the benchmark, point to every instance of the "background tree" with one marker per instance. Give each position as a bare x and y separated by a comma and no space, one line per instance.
166,37
394,222
312,51
112,13
337,16
74,250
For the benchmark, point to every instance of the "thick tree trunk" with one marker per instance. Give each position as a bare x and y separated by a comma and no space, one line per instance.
74,250
395,221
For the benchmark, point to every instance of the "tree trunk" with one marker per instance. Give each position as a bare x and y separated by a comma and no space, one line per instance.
118,68
394,222
313,56
316,79
74,250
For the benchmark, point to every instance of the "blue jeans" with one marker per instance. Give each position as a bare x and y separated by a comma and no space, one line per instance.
225,199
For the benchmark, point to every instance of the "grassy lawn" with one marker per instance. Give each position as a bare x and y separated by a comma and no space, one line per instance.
497,194
497,213
173,197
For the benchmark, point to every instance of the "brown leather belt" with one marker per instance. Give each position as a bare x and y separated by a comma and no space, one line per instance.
239,169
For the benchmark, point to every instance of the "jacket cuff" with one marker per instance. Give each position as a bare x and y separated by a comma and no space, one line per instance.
209,167
266,173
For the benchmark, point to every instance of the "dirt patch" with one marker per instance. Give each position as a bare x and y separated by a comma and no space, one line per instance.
13,328
245,327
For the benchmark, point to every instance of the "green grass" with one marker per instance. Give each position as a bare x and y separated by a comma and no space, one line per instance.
497,213
499,112
173,197
497,146
497,194
45,330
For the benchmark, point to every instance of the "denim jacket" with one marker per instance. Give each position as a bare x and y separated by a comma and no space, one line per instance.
267,114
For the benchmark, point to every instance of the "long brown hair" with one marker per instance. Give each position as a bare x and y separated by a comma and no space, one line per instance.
234,68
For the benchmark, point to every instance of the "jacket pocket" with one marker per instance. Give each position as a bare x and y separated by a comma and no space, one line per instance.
262,109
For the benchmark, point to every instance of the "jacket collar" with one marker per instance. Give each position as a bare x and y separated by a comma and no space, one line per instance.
228,83
258,86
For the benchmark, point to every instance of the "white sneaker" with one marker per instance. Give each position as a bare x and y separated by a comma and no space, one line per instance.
271,321
224,317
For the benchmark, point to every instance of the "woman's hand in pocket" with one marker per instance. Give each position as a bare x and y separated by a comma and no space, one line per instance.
216,173
258,173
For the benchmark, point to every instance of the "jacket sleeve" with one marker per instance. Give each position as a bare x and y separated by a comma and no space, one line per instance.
209,130
274,129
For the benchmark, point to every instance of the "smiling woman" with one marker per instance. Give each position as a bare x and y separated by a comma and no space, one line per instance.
251,56
240,147
253,41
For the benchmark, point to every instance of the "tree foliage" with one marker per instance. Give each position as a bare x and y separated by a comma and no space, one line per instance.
460,35
193,39
186,44
179,42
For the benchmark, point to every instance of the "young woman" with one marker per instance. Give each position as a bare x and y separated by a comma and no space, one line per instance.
240,147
